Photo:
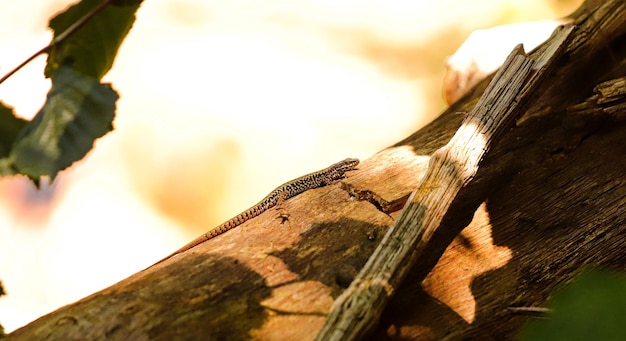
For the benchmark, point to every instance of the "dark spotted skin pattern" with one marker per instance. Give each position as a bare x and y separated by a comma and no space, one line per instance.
288,190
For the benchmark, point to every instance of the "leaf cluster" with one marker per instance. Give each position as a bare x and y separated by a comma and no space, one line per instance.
79,107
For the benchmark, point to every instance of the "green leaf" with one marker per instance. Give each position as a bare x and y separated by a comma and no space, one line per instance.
91,50
10,127
593,307
78,110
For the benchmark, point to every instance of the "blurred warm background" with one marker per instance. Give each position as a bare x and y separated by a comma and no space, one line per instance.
221,101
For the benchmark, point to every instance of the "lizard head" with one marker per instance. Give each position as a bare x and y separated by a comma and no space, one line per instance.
345,165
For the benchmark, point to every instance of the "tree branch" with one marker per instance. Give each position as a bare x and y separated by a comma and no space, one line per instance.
451,170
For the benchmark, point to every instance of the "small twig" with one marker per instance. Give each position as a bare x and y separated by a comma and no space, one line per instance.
531,311
60,38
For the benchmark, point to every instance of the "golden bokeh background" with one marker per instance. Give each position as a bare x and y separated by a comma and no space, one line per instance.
221,101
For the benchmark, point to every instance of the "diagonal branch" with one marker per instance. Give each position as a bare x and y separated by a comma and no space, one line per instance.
451,170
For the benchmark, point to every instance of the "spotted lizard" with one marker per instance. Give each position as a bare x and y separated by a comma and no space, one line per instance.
283,192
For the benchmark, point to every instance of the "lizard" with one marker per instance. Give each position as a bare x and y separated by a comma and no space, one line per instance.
283,192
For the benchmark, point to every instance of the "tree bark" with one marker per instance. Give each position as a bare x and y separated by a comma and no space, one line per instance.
553,193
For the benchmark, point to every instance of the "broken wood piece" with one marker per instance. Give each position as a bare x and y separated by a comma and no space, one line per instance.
357,310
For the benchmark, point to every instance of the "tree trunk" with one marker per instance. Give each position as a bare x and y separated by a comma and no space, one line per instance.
554,200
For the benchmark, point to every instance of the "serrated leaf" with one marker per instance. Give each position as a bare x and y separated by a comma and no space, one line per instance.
78,110
593,307
92,49
10,127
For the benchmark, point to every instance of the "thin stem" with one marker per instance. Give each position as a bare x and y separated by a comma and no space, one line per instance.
60,38
5,77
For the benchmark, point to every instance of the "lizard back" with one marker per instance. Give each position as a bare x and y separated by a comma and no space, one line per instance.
283,192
